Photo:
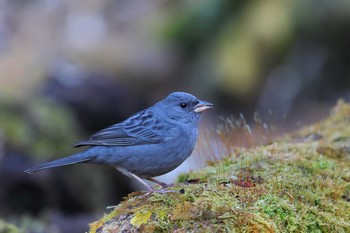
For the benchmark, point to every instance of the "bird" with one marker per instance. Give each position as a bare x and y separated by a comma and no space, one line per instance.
149,143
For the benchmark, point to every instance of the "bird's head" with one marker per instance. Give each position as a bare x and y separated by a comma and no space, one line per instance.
183,107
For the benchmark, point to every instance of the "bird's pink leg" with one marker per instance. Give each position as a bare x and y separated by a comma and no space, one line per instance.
149,187
164,185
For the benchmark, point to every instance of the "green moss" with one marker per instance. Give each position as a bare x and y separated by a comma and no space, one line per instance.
140,218
300,183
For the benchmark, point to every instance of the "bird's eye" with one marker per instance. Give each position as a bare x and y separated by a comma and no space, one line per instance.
183,105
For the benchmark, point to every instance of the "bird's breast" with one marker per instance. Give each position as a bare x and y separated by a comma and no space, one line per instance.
161,158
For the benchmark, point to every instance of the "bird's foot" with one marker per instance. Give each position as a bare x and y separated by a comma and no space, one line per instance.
160,191
164,185
150,189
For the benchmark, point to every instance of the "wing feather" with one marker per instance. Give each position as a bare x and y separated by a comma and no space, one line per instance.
141,128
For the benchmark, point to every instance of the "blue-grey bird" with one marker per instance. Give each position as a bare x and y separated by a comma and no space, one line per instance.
149,143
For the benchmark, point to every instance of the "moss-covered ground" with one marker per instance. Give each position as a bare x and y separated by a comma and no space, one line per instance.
298,183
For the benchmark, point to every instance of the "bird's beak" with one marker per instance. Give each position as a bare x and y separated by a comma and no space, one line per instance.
202,106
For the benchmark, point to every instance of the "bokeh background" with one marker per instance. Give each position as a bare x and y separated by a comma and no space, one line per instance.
70,68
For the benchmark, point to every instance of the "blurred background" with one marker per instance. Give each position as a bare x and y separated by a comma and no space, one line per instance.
70,68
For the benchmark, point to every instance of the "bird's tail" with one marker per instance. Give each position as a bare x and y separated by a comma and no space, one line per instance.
77,158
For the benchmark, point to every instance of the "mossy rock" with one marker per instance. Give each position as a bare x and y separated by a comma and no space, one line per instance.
300,183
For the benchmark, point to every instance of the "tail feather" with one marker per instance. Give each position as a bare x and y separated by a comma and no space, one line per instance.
78,158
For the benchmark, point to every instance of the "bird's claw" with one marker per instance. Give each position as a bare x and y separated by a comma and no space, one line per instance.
160,191
164,185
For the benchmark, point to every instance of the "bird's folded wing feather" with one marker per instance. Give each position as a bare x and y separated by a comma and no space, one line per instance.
141,128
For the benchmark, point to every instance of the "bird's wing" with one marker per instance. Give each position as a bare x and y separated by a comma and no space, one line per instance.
140,128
